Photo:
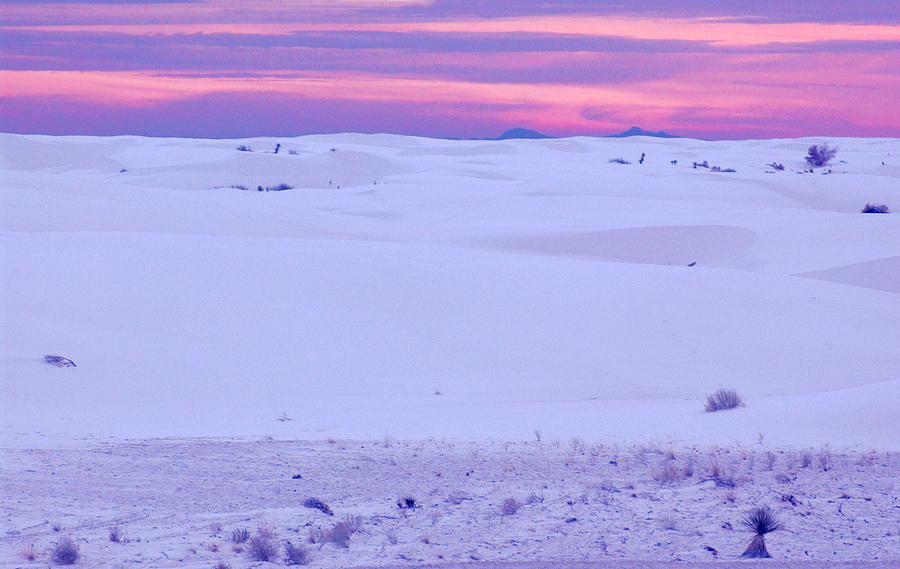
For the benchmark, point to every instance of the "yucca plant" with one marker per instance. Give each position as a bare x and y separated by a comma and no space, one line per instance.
760,521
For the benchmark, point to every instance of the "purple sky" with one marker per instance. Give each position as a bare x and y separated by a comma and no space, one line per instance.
450,68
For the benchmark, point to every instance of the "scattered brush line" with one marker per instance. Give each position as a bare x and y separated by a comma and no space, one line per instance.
278,188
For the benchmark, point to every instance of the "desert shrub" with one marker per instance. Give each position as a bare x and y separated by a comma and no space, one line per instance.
115,534
665,473
262,547
668,522
406,502
703,164
59,361
279,188
760,520
618,160
65,552
392,537
875,208
318,504
510,506
341,532
295,554
776,166
770,460
825,459
722,475
240,535
244,148
239,187
457,497
723,399
820,155
28,553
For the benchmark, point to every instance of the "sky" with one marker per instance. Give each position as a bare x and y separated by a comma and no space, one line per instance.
715,69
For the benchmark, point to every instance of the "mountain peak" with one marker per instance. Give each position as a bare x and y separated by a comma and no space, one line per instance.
637,131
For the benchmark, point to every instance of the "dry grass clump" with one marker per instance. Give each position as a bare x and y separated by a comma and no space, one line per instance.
339,534
65,552
295,554
723,399
510,506
668,522
262,546
28,553
240,535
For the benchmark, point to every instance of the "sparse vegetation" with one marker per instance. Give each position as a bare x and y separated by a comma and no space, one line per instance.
28,553
776,166
262,546
318,504
820,154
875,208
295,554
341,532
619,160
510,506
760,521
668,522
244,148
115,534
59,361
240,535
723,399
65,552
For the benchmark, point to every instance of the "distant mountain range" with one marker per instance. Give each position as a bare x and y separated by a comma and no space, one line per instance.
519,132
636,131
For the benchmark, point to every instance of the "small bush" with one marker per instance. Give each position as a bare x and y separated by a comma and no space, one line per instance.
342,531
668,522
318,504
666,473
240,535
510,506
28,553
65,552
59,361
820,155
115,534
723,399
875,208
776,166
295,554
244,148
262,547
618,160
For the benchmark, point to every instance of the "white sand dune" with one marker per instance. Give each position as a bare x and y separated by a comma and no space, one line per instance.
416,289
504,275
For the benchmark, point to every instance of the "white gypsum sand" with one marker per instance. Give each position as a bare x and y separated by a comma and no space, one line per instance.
454,291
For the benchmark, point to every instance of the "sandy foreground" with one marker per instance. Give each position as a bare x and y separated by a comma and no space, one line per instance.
179,503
